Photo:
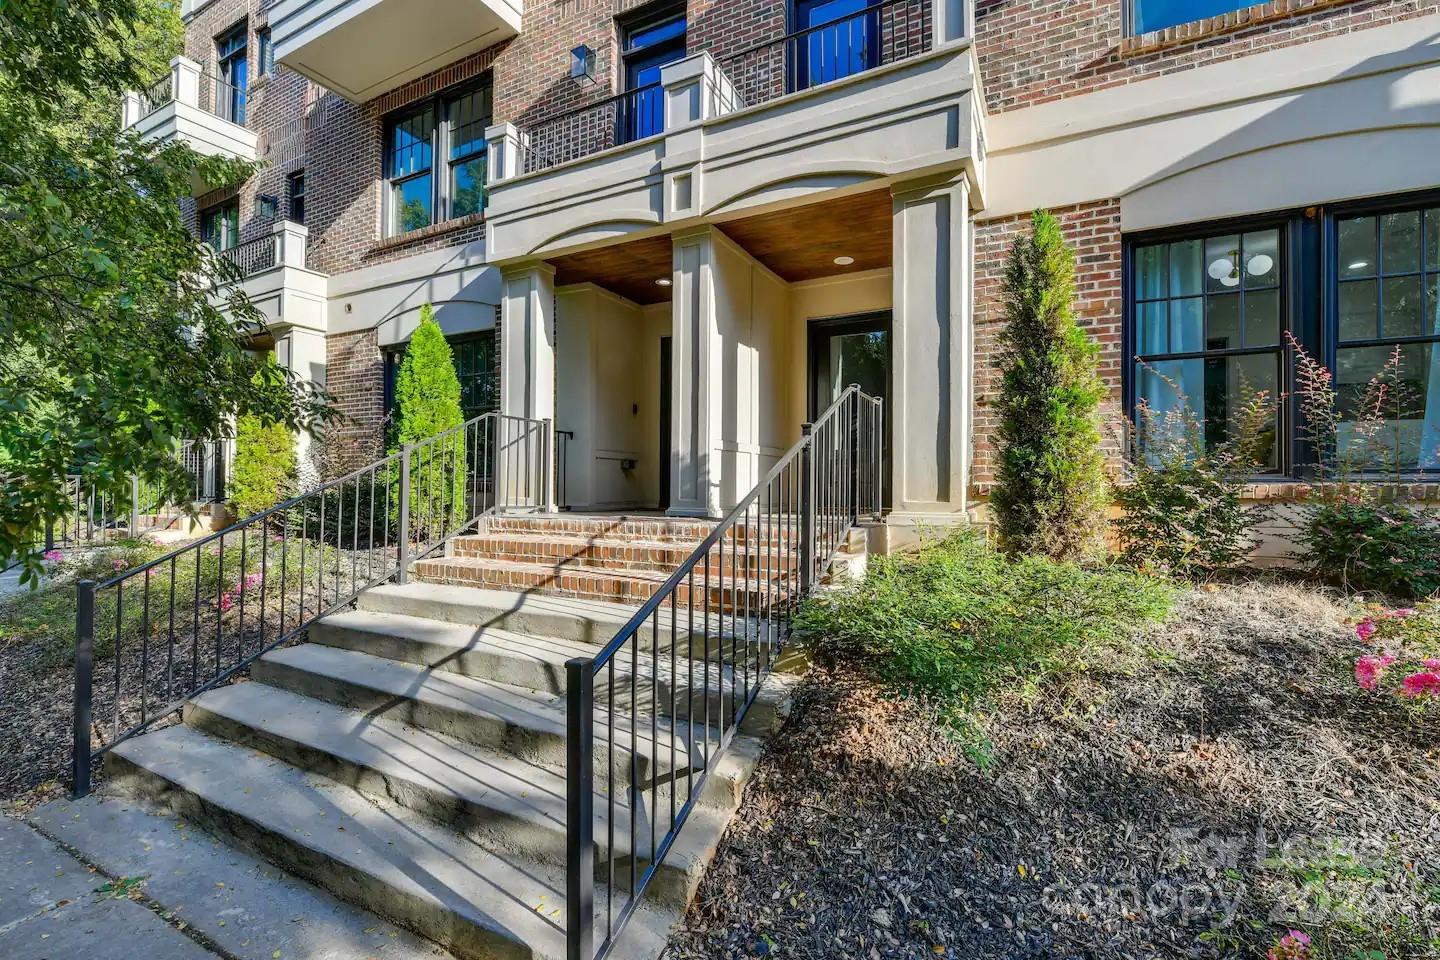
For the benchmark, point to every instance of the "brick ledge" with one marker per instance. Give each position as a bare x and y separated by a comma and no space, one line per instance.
426,233
1196,30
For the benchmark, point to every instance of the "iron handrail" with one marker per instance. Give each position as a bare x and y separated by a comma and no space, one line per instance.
869,11
812,501
592,105
424,494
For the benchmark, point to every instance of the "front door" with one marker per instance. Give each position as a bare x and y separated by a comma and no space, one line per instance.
846,350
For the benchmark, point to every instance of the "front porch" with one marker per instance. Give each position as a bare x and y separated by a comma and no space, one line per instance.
678,368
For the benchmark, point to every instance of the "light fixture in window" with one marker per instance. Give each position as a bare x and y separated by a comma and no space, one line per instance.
1259,265
1223,269
267,206
663,282
582,65
844,261
1358,265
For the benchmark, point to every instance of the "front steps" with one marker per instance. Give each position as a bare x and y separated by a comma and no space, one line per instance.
410,756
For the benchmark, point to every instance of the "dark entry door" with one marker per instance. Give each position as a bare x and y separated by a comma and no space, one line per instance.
846,350
666,344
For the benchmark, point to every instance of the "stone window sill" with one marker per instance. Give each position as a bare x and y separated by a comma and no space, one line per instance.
1196,30
426,233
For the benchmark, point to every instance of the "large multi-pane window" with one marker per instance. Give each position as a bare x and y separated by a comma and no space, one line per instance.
220,224
1211,313
1208,323
232,79
449,130
1387,312
652,41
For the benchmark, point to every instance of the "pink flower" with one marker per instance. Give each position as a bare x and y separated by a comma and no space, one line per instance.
227,600
1426,683
1365,629
1402,614
1293,946
1369,668
117,564
252,580
53,556
1433,663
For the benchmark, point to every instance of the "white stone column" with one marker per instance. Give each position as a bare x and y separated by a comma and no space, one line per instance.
185,81
527,378
290,240
932,352
129,109
503,145
694,480
951,21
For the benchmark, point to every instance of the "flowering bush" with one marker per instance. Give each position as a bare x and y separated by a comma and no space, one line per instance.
1404,659
1293,946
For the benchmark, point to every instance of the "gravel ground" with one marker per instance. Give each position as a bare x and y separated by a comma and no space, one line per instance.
1229,786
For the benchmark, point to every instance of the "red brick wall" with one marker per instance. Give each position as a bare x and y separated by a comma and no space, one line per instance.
355,375
1034,51
1093,232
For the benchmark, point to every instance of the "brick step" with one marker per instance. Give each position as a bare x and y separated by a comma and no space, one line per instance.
619,527
745,596
611,554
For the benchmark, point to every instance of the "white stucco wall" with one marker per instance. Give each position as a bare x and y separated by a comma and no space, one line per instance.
463,289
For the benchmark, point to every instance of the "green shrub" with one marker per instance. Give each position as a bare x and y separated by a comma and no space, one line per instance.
1049,497
1371,545
264,470
1183,509
427,402
961,623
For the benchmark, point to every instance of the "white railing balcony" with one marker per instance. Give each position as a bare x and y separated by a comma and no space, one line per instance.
362,48
273,275
192,107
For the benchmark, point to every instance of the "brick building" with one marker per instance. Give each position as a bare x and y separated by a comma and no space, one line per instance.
677,228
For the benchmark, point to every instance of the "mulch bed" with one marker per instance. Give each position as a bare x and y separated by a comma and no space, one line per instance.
1193,807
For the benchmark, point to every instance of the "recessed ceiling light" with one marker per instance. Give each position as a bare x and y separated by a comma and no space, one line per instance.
663,282
844,261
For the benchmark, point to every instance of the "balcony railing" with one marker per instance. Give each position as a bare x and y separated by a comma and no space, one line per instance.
252,256
283,246
877,36
191,84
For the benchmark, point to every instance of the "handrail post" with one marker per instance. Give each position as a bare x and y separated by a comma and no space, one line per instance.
547,466
84,686
134,504
878,443
402,540
579,809
852,440
807,508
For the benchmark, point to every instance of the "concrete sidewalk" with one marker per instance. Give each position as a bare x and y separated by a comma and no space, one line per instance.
53,907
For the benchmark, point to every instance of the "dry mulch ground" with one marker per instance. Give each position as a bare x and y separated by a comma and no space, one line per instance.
1230,785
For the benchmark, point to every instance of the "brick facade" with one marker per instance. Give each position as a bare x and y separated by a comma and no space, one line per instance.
1093,231
1035,51
355,376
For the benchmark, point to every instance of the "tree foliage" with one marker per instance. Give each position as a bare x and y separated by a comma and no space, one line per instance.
115,340
1049,497
427,402
265,468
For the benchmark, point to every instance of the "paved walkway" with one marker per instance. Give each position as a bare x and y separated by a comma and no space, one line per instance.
53,907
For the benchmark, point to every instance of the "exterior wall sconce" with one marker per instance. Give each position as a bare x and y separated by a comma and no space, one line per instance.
267,206
582,66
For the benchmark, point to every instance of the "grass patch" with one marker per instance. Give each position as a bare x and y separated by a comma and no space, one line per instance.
962,625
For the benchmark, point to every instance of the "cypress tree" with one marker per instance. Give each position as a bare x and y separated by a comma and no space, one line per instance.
427,402
1049,498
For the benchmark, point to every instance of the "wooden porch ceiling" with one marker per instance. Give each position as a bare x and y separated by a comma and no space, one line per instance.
798,243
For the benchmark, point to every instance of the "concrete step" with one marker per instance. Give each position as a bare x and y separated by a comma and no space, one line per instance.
525,723
742,595
480,904
538,663
615,554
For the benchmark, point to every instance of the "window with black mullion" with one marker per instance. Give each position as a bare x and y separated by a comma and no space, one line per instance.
1387,303
450,130
1208,320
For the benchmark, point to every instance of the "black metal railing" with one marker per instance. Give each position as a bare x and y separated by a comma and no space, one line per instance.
253,256
697,652
562,468
223,98
880,34
199,615
619,119
158,94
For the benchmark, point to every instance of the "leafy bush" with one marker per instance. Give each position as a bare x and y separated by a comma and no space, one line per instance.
1183,509
1405,653
1356,531
1049,497
1366,543
264,470
961,623
427,402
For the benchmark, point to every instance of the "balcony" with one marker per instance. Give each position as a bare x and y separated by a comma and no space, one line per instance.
887,94
362,48
192,107
274,277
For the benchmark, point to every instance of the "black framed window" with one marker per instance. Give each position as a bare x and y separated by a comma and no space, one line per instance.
448,129
1207,323
649,42
1146,16
220,224
295,195
232,67
1385,297
266,59
474,359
